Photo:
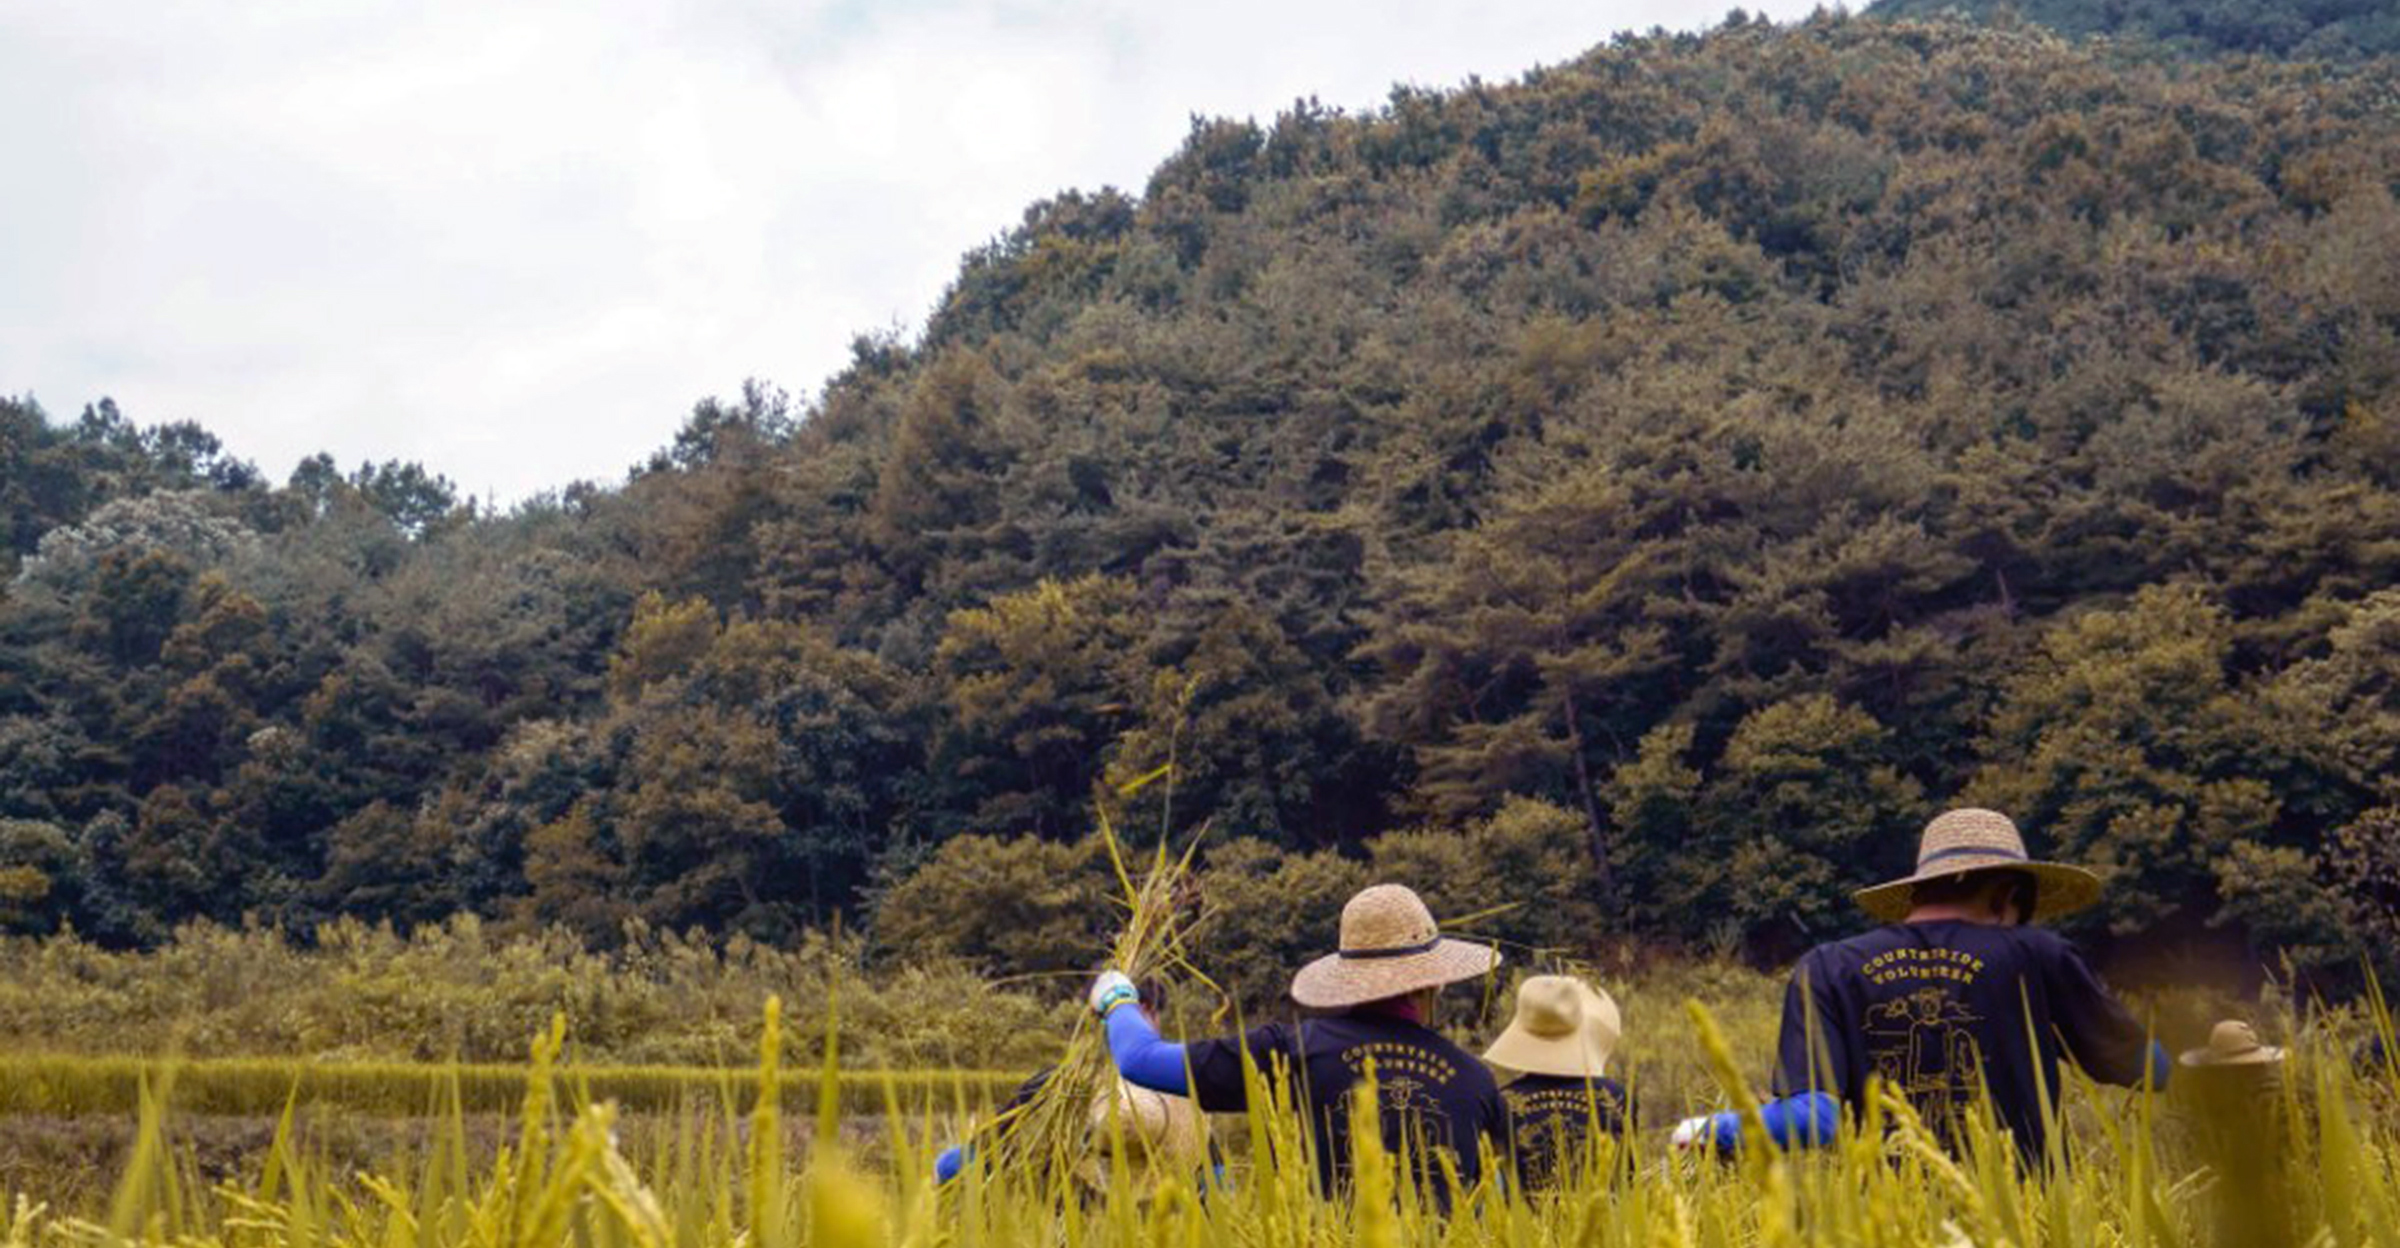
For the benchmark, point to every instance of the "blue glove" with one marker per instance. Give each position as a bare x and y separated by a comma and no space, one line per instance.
952,1160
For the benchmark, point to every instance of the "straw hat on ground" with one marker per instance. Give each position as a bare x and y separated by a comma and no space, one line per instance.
1165,1136
1390,947
1960,842
1563,1027
2233,1043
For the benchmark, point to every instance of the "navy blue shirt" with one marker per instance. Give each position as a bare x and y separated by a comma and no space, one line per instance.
1939,1009
1551,1121
1431,1093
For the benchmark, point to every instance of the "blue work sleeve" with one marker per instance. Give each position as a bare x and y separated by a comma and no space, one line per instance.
1142,1058
1809,1120
2161,1066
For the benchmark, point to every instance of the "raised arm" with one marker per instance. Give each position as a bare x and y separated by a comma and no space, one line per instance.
1141,1056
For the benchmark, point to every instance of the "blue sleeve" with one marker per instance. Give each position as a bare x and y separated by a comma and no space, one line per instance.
952,1160
1141,1057
1811,1119
2161,1066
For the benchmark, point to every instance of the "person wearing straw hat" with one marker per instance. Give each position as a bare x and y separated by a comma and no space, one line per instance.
1375,996
1554,1061
2233,1089
1956,992
1164,1137
2235,1076
2233,1045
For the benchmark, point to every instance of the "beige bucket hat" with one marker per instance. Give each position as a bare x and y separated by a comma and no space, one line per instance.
1563,1027
2232,1043
1958,842
1389,947
1165,1136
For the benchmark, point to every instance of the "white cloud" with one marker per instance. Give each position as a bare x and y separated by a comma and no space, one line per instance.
515,242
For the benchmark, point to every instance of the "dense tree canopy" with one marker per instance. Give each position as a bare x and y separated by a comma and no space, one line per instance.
2299,28
1676,472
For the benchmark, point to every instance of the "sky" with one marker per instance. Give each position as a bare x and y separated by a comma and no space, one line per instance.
516,242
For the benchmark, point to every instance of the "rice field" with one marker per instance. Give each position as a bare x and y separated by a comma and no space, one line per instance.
721,1174
768,1157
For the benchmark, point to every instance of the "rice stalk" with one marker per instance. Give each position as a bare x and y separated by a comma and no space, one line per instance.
1050,1133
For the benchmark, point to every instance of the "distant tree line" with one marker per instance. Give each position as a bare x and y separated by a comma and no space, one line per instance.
1713,452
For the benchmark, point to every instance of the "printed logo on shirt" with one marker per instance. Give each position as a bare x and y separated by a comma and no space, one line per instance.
1408,1080
1538,1136
1924,1045
1563,1102
1394,1061
1894,965
1553,1126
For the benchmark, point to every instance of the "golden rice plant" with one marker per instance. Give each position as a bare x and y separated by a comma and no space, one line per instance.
723,1180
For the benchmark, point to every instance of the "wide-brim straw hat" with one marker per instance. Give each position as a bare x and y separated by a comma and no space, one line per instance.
1164,1135
2232,1043
1390,947
1562,1027
1961,842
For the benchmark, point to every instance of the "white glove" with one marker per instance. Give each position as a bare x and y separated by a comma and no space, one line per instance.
1111,990
1694,1132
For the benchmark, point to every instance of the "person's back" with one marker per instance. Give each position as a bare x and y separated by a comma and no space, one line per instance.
1431,1095
1946,1009
1954,996
1552,1121
1377,991
1554,1056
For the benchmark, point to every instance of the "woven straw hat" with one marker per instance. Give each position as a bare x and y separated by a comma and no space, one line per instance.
2233,1043
1962,841
1390,947
1164,1135
1563,1027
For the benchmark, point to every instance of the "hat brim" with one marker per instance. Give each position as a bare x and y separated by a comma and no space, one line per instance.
2263,1055
1569,1057
2064,889
1334,982
1582,1054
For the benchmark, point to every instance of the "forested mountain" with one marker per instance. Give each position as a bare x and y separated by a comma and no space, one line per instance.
1741,443
2328,29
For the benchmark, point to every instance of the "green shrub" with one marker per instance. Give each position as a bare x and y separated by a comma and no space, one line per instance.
1009,906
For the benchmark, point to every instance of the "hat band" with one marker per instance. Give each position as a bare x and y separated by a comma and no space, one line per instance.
1980,851
1405,951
